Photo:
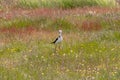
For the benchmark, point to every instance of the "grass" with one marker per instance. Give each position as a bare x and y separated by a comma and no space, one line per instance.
86,57
68,3
90,49
59,3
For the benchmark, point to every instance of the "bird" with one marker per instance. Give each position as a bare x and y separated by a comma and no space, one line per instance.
59,39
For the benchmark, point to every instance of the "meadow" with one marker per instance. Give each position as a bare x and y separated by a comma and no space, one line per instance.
90,47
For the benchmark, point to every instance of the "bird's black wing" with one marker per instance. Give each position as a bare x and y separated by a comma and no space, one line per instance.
55,40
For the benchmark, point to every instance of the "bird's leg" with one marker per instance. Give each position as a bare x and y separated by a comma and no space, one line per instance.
60,46
55,48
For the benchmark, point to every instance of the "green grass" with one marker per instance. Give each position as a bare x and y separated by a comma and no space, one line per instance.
60,3
72,4
86,57
18,23
40,22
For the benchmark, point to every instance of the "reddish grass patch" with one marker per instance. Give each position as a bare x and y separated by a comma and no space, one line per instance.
89,25
49,12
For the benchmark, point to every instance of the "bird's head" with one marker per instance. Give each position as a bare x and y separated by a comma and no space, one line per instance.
60,31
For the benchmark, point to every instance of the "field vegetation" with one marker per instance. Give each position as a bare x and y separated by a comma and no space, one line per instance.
90,49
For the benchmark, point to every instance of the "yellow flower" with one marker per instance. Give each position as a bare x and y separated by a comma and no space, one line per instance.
71,51
64,54
30,50
112,49
67,70
42,73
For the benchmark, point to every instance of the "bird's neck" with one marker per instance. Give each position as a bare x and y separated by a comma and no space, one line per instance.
60,34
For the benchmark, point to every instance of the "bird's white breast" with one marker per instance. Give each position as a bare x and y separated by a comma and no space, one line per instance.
59,39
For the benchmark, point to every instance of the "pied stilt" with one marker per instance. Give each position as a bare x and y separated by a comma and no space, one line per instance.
58,39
